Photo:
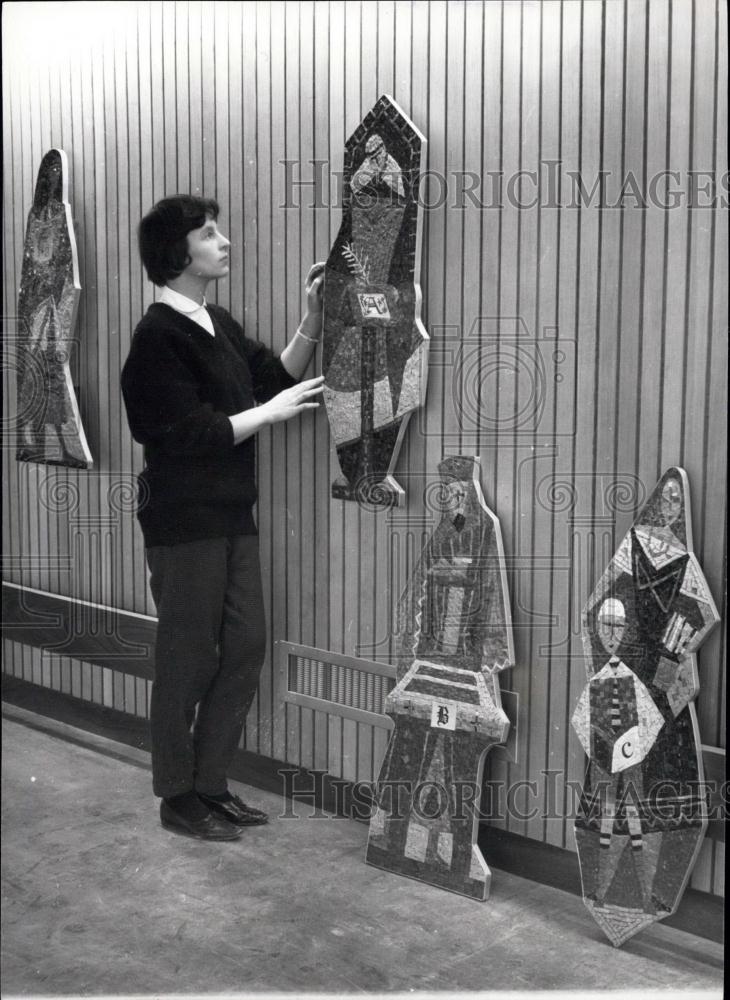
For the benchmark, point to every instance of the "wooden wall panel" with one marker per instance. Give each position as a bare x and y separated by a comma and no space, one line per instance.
614,319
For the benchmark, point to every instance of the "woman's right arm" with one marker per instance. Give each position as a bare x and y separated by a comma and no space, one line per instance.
285,405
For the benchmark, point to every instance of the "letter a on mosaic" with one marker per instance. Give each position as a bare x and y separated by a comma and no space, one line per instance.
456,637
49,426
374,355
642,818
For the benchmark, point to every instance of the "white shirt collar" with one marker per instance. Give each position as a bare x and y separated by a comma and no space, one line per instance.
188,307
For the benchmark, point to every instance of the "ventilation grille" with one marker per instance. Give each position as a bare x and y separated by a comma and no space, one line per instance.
341,685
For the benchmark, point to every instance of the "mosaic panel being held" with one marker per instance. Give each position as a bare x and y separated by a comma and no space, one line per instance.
643,815
456,630
49,426
375,346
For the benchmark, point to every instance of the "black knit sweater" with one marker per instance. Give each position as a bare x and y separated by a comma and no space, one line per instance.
180,386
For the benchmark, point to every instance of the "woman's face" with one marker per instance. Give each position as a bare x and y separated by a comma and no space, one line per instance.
208,251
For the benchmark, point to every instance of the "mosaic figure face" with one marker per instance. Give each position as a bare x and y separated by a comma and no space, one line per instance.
455,494
671,501
610,624
49,186
376,151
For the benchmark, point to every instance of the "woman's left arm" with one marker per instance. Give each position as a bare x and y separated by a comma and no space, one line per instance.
298,352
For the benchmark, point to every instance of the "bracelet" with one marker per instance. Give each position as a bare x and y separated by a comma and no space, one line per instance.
305,337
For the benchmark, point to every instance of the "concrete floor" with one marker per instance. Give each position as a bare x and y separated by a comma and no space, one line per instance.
99,900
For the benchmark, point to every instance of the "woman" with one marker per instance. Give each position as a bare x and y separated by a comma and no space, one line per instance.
197,391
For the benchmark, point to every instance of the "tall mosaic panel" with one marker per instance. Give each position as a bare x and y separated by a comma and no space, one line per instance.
456,638
49,428
643,813
375,345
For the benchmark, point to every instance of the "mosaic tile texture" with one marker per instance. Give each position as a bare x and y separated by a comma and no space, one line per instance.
49,426
374,353
642,814
456,631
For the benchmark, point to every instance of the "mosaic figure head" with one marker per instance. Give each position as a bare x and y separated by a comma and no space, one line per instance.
375,149
378,166
671,502
49,185
455,495
457,478
611,624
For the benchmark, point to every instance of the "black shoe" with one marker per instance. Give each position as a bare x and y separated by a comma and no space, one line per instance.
235,811
209,828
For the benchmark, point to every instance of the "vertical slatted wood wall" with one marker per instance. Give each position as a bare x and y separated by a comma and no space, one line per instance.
601,329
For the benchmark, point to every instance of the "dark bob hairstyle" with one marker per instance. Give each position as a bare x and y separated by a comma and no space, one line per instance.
162,234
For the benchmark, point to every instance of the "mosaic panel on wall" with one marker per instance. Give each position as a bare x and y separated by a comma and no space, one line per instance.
456,637
643,814
49,428
375,346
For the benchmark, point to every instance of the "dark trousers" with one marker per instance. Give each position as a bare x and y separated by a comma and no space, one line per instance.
211,640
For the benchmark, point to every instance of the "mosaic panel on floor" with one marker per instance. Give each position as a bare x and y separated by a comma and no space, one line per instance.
456,637
643,814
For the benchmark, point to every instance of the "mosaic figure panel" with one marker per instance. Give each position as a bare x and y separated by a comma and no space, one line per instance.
456,637
642,814
374,354
48,422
